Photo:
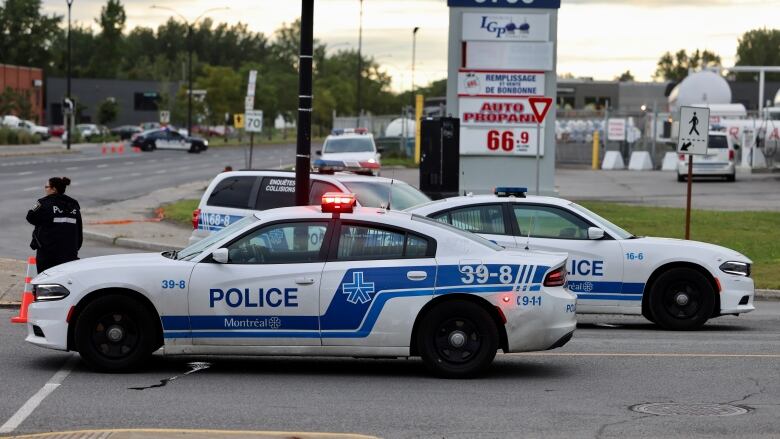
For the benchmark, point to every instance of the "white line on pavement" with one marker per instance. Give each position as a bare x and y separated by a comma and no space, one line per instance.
161,171
25,173
28,189
129,163
105,178
29,407
135,174
72,168
104,165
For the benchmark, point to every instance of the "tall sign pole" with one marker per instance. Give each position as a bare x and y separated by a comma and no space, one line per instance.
303,150
692,139
69,117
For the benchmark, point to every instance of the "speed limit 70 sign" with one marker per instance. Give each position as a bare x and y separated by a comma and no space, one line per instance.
253,121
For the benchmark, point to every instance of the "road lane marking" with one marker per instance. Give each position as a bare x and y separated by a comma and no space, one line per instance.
73,168
29,407
195,432
640,354
135,174
31,188
129,163
104,165
161,171
105,178
25,173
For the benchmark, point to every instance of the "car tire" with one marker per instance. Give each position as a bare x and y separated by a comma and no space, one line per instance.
732,177
114,333
647,313
681,299
681,178
457,339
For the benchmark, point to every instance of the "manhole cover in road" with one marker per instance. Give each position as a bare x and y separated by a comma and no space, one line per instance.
680,409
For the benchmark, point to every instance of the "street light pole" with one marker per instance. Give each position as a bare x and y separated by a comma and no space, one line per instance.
190,28
360,67
69,117
303,148
414,53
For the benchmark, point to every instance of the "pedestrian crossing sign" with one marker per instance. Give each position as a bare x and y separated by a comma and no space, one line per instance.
694,130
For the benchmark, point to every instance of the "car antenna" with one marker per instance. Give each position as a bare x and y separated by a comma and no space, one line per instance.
528,239
390,194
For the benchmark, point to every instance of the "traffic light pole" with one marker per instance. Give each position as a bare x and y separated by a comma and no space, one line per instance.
303,150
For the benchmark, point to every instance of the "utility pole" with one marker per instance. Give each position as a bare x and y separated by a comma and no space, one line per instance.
414,53
303,150
189,79
360,68
69,117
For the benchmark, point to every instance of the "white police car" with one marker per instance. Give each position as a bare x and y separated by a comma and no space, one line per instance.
311,281
349,150
675,283
234,195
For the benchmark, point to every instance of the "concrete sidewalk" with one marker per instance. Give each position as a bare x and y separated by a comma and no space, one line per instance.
48,147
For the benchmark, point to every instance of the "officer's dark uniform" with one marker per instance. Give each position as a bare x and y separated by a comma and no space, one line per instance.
57,236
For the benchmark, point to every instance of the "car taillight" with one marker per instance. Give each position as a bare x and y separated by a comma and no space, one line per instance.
731,154
195,218
556,278
371,164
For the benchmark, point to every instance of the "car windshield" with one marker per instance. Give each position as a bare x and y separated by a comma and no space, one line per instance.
398,195
462,233
618,232
348,144
197,248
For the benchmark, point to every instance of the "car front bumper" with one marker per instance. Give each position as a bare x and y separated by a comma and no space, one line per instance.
736,295
51,319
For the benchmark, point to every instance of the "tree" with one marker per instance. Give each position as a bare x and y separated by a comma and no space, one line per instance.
107,56
27,36
223,92
625,76
107,111
675,67
759,47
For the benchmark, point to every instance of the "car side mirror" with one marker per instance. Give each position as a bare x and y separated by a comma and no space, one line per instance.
220,255
595,233
380,150
318,152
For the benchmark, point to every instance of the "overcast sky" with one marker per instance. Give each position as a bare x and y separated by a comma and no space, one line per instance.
597,38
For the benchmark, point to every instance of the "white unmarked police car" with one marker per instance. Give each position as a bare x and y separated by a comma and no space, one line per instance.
675,283
349,150
311,281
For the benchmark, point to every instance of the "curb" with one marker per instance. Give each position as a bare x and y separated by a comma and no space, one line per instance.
121,241
36,153
768,294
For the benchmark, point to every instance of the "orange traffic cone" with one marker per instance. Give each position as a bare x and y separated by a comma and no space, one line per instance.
104,149
121,148
27,295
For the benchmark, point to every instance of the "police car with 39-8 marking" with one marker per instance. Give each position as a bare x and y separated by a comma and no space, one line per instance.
675,283
332,280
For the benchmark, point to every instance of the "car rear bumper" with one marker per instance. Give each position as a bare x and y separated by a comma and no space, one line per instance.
707,168
539,327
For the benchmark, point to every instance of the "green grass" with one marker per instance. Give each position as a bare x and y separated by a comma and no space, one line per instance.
399,161
180,212
754,234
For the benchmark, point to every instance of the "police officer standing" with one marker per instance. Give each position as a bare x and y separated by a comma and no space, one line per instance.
57,219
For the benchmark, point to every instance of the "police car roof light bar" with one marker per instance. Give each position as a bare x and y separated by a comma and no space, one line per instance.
518,192
361,130
337,202
337,131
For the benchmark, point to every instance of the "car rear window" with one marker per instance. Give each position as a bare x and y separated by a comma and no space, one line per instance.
275,192
718,142
232,192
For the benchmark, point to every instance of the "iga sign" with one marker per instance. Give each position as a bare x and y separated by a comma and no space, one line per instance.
500,141
475,111
500,83
506,27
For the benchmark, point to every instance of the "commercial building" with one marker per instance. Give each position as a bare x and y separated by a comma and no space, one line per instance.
27,81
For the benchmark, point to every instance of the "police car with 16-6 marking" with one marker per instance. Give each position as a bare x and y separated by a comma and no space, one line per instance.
675,283
334,280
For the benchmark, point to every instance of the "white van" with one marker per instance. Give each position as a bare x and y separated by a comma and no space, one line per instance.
237,194
720,160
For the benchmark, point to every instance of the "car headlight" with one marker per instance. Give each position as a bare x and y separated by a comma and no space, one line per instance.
734,267
49,292
206,142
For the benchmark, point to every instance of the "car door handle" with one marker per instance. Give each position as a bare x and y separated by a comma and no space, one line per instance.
416,275
304,280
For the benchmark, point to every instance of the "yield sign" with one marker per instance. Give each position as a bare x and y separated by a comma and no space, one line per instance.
540,105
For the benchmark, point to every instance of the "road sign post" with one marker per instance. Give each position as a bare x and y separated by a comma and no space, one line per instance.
540,105
692,140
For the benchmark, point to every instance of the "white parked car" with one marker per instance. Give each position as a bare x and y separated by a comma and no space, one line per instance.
675,283
335,280
349,150
238,194
720,160
32,128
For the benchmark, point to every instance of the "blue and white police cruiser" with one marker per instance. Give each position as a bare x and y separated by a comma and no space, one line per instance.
675,283
319,280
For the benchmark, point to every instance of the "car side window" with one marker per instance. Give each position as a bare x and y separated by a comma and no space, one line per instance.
549,222
318,189
287,243
232,192
488,218
276,192
357,242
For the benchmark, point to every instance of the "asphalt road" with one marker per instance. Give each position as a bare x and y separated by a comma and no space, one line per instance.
99,179
583,390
